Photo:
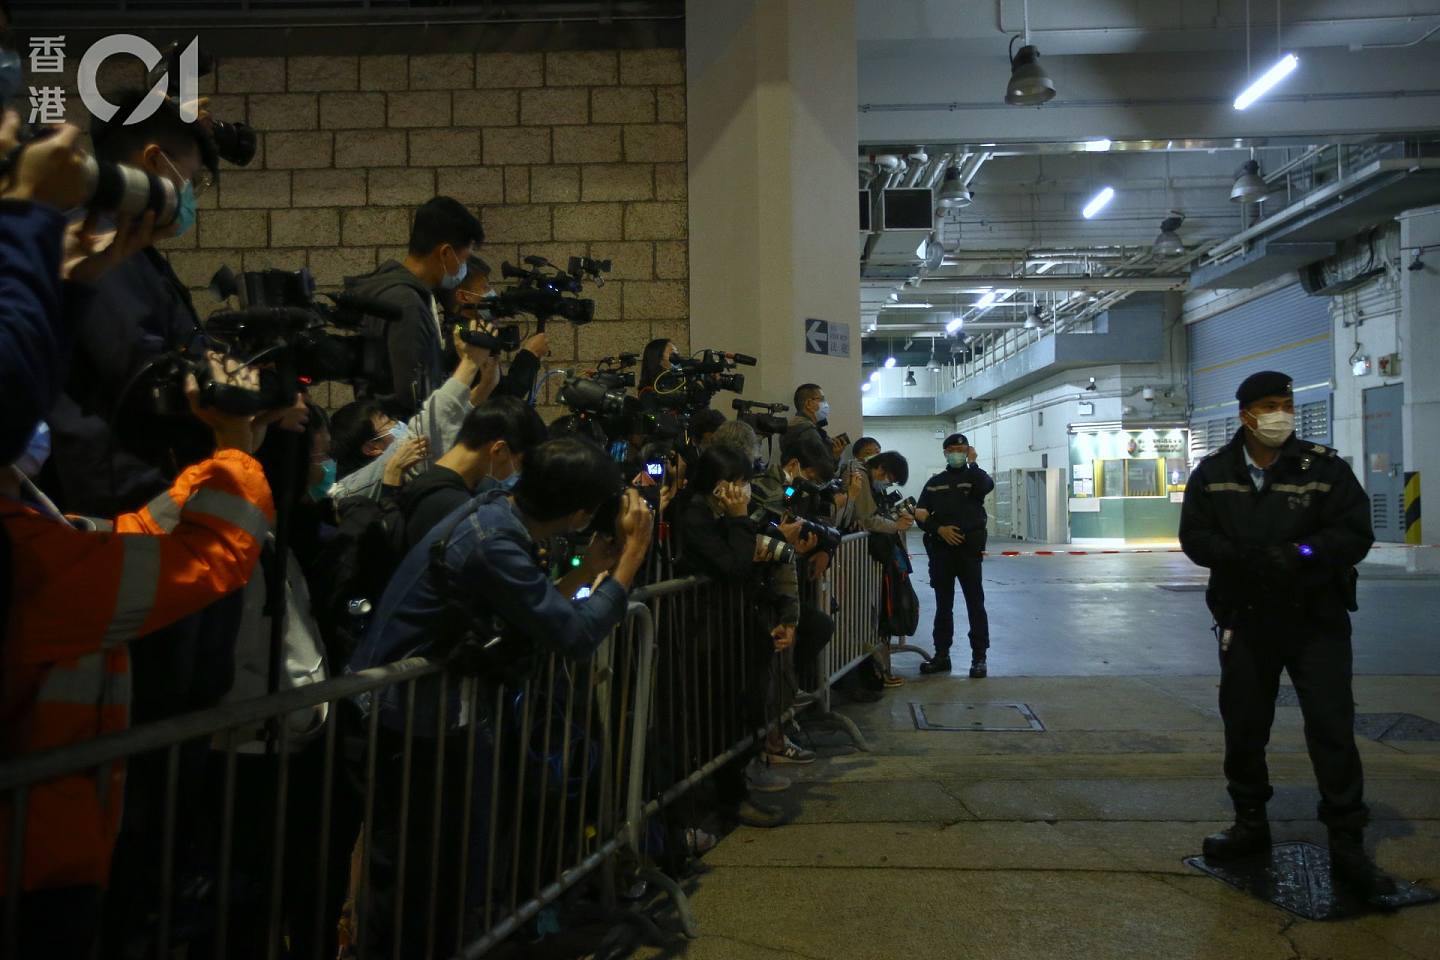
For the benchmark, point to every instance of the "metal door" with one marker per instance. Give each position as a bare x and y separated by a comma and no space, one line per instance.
1384,473
1035,505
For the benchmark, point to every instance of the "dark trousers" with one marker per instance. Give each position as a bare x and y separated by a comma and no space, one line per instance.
963,563
1317,658
58,924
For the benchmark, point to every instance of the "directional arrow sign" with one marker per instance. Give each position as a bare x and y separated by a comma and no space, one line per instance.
817,336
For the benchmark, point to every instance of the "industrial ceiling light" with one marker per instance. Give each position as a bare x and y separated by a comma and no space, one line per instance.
889,363
1267,80
934,363
1034,318
953,192
910,379
1028,86
955,324
1249,186
1169,244
874,376
865,387
1098,202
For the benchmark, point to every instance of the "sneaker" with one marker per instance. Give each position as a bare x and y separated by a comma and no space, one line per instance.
763,779
753,814
790,752
939,664
978,669
699,842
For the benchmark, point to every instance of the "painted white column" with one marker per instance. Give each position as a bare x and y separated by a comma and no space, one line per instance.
772,154
1420,368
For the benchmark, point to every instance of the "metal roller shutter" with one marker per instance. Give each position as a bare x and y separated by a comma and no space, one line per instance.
1286,330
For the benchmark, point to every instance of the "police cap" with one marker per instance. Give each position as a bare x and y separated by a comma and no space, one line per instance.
956,439
1266,383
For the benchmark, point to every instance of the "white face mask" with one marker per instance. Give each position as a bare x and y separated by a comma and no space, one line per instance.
1273,429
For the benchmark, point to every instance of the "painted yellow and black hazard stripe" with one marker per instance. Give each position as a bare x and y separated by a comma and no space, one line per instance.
1412,508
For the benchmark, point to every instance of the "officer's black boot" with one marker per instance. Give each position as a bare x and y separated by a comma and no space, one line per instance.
940,663
1249,836
1351,865
978,668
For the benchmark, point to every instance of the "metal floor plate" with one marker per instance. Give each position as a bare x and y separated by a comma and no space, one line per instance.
1182,587
1296,877
959,717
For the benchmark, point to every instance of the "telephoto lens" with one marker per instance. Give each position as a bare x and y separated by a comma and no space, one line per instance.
120,188
770,549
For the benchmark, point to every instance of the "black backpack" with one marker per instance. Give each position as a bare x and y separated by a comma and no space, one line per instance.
354,568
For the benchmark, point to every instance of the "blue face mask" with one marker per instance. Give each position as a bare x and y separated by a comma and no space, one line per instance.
823,414
12,77
452,280
322,486
400,432
510,482
37,451
184,203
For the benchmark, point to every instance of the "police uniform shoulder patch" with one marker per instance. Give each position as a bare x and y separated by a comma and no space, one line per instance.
1320,450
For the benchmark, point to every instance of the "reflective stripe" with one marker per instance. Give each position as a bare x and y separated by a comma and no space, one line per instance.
88,681
236,511
1228,488
139,582
80,682
1301,487
164,511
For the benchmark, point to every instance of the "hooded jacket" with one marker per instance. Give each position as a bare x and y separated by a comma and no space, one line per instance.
414,343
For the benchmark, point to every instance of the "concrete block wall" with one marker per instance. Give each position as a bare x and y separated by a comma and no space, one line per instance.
560,154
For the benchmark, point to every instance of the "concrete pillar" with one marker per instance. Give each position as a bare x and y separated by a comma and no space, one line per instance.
772,153
1420,367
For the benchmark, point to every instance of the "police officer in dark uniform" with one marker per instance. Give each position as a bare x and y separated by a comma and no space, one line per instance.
1281,524
951,511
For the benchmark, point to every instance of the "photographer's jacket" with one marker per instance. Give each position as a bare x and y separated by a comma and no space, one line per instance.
439,419
493,577
955,497
78,597
1251,538
414,343
108,449
723,548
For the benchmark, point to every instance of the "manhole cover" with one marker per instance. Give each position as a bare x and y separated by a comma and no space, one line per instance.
980,717
1182,587
1396,726
1296,877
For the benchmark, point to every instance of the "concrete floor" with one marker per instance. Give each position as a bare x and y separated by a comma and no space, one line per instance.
1068,842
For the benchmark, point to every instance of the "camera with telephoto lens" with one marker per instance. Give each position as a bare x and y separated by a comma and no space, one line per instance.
764,418
772,547
235,141
545,291
281,334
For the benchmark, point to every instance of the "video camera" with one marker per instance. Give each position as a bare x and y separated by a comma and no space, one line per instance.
281,333
690,383
768,423
546,291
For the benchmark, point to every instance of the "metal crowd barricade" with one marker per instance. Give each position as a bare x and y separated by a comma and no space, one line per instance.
561,770
550,791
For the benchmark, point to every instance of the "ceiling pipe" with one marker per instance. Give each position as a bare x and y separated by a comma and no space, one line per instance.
954,285
1319,197
972,167
938,168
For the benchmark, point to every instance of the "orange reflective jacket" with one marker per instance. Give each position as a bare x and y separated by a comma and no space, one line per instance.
78,596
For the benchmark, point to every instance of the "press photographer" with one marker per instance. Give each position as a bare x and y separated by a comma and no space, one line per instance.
468,305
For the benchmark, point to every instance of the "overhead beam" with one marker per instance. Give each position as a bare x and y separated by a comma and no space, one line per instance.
1051,282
